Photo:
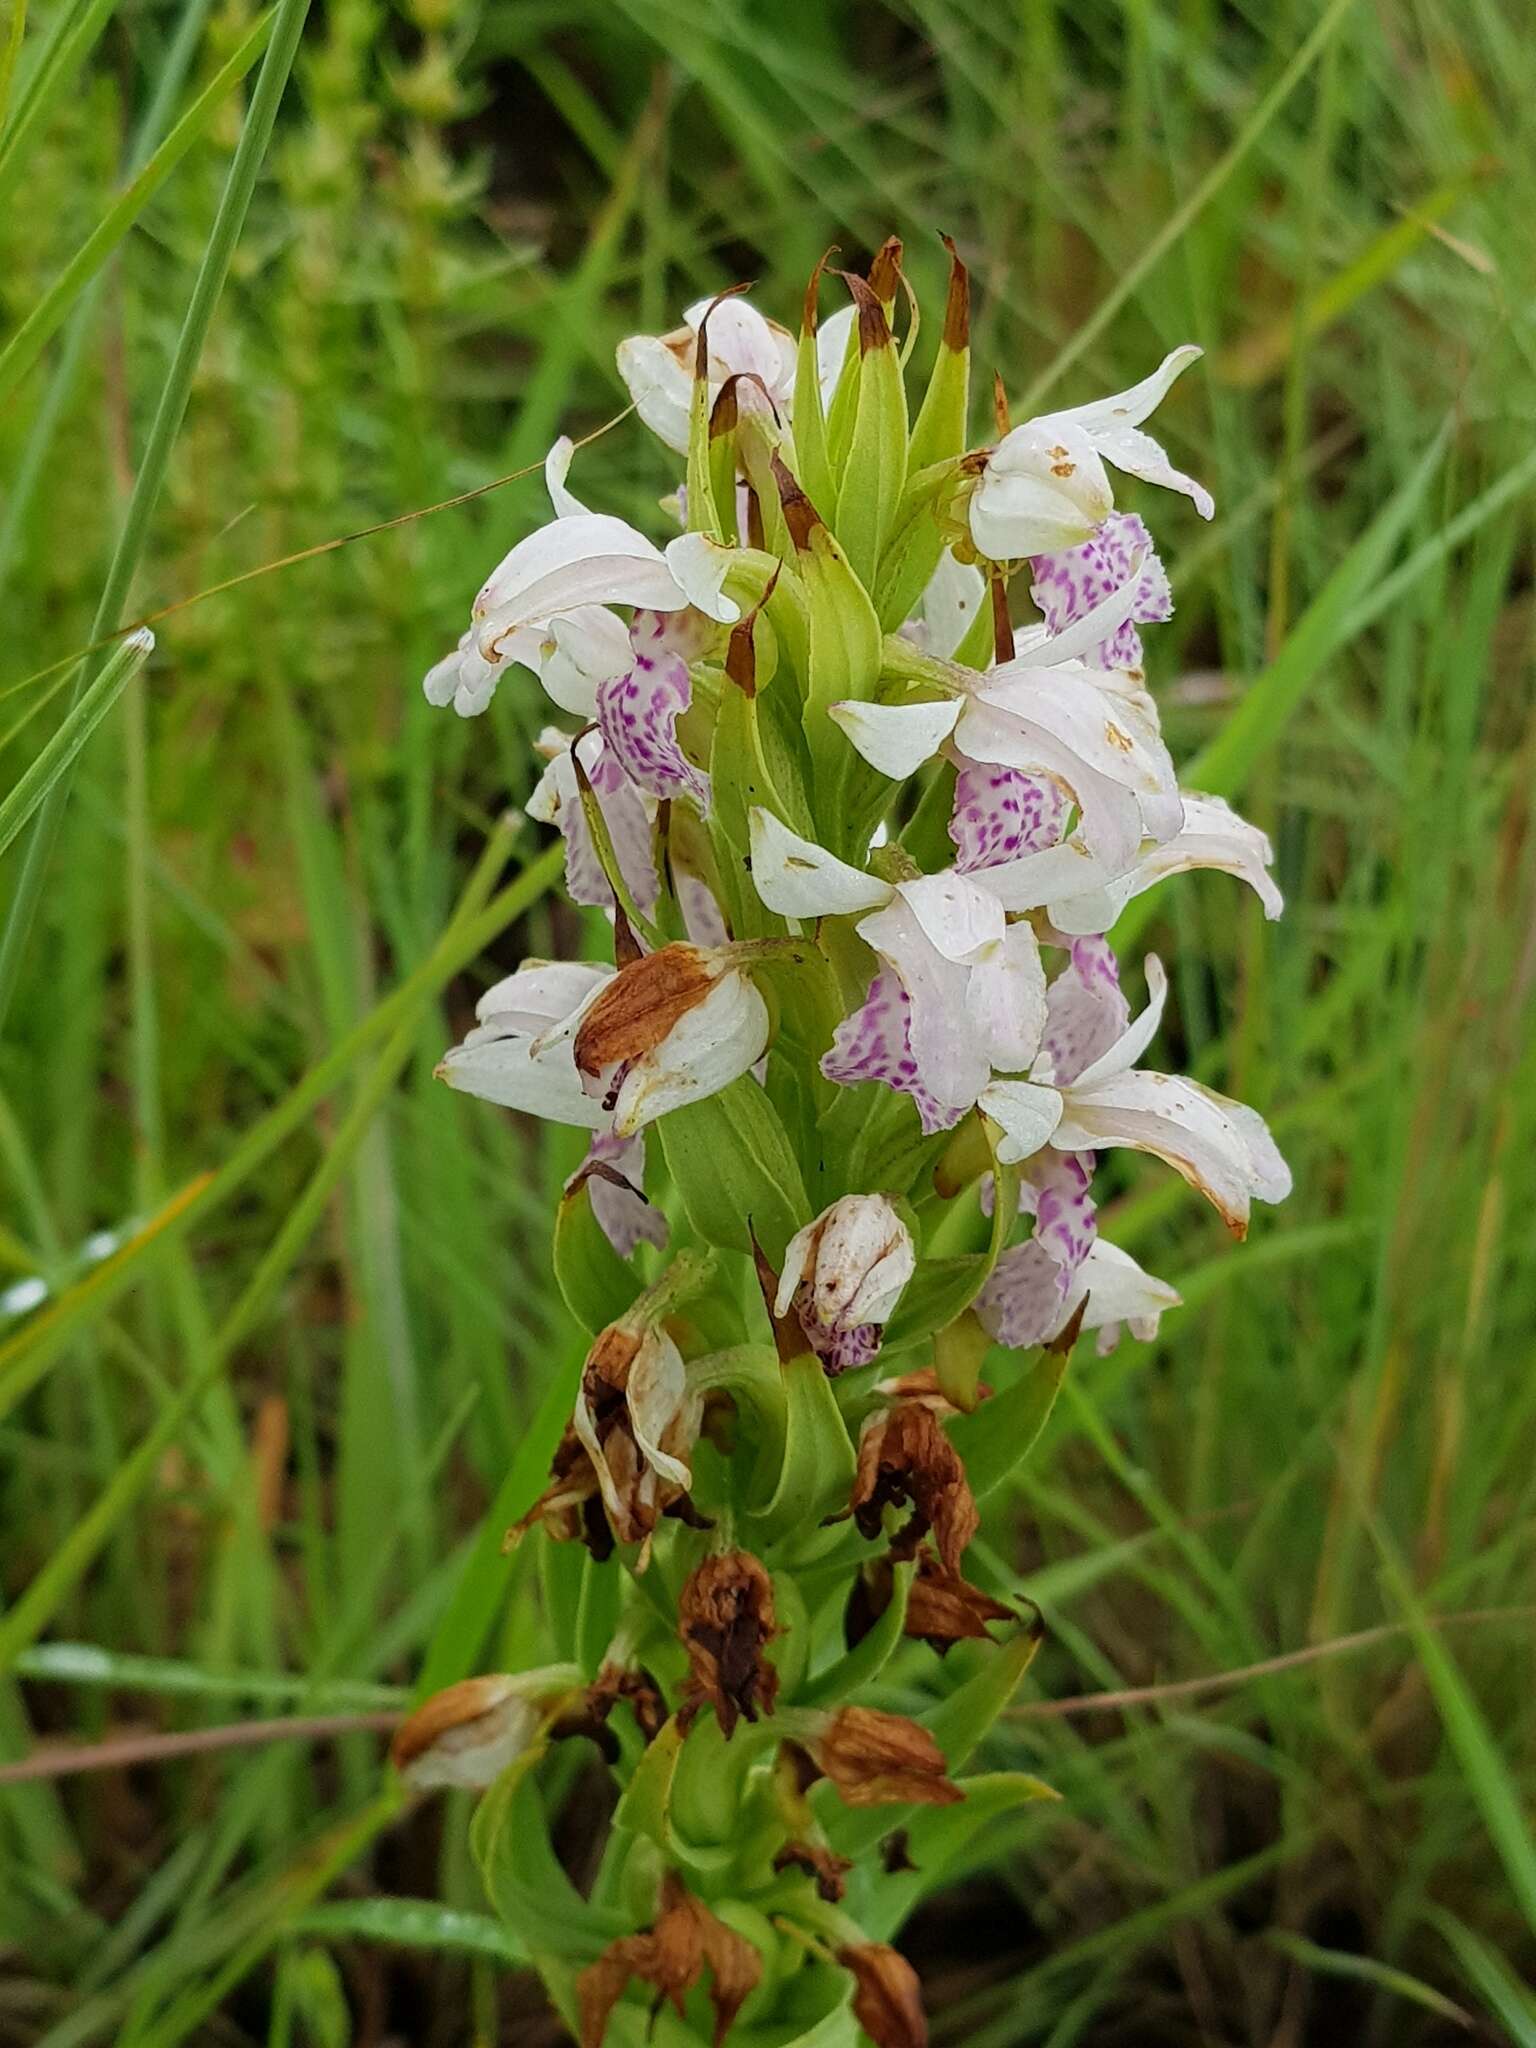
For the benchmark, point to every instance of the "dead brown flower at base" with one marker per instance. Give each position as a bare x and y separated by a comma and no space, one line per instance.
817,1861
617,1682
686,1940
874,1758
569,1510
888,2000
726,1621
904,1455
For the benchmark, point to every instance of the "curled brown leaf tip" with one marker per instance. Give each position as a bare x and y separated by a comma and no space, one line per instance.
874,328
800,515
741,648
957,307
1002,624
701,341
818,1862
729,405
637,1009
1000,402
885,271
888,1998
812,288
726,1621
904,1455
672,1956
875,1759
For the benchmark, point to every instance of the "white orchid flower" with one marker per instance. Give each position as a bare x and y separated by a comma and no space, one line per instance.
1045,487
1219,1146
961,992
628,812
512,1059
844,1275
658,368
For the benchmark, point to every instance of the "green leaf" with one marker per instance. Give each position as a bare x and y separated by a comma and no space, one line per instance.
1001,1433
645,1808
412,1923
816,1473
736,1170
940,1838
523,1877
840,1680
597,1284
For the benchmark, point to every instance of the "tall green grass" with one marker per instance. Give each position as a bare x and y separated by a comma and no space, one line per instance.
264,1450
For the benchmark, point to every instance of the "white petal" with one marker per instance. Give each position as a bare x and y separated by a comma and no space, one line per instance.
954,596
1129,408
1118,1291
699,567
659,385
1136,1037
1005,999
1028,1114
540,993
1085,633
706,1049
897,738
741,340
951,1060
1039,878
586,647
1212,836
832,339
655,1391
587,559
956,916
557,467
508,1071
797,1255
797,878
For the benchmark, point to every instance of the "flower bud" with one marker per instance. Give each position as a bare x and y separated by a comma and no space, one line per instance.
875,1759
844,1273
467,1734
888,2003
669,1029
726,1620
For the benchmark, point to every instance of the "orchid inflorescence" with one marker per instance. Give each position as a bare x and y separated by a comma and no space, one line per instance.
859,841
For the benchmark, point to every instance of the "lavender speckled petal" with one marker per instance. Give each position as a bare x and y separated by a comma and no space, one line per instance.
1066,1221
1022,1301
874,1043
1001,814
638,713
842,1350
1084,1009
624,809
1068,585
623,1214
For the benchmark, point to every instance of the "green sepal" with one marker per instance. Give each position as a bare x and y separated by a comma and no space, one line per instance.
812,463
703,512
736,1169
844,653
915,543
938,432
976,650
748,767
870,487
646,1807
597,1612
863,1664
750,1374
816,1474
509,1837
1003,1431
597,1284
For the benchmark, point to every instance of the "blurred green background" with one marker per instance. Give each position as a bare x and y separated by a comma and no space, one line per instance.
258,1460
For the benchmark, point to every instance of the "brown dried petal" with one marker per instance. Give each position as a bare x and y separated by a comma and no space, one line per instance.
726,1620
569,1508
819,1862
635,1685
466,1734
888,2001
874,329
672,1956
885,271
637,1009
957,307
904,1455
943,1608
875,1758
800,515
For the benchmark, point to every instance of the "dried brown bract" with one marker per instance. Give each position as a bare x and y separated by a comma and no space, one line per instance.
569,1510
888,2002
943,1608
904,1455
726,1621
817,1861
686,1940
874,1759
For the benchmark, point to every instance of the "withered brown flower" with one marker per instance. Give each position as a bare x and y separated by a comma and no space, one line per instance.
943,1608
637,1009
634,1684
875,1758
888,2000
570,1508
468,1733
726,1621
685,1940
817,1861
904,1455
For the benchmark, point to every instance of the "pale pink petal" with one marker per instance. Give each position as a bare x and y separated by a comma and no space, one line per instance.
1021,1303
557,801
873,1043
1086,1013
951,1061
623,1214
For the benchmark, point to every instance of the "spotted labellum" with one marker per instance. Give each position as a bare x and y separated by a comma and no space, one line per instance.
857,767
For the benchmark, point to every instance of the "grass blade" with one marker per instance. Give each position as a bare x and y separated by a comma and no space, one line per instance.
43,772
